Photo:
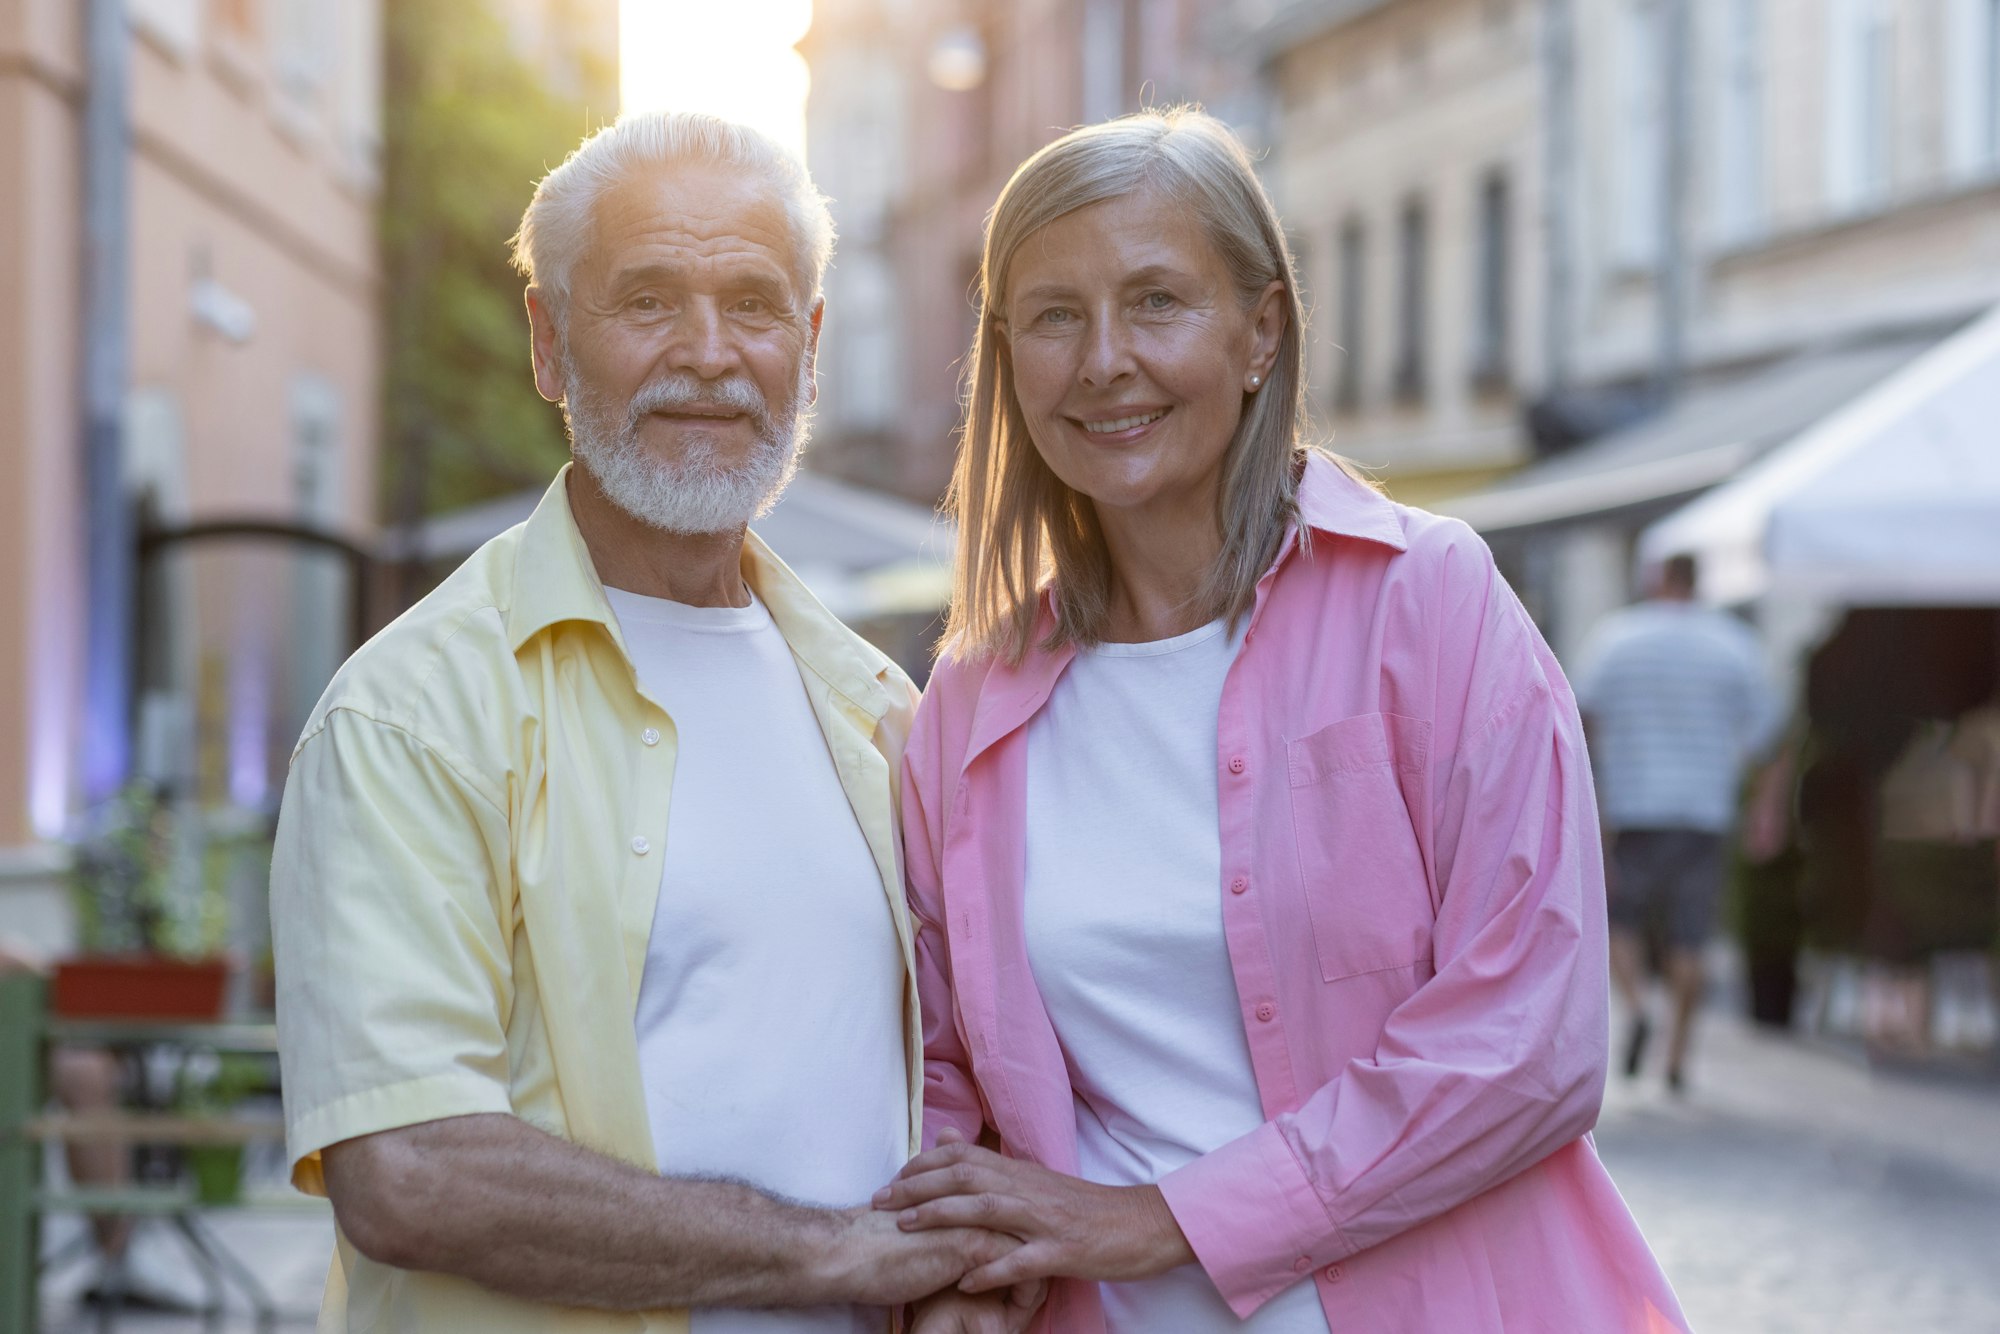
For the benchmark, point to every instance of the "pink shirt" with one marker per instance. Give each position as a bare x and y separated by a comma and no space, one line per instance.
1413,897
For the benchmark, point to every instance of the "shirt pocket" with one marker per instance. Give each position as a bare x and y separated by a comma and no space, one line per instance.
1361,865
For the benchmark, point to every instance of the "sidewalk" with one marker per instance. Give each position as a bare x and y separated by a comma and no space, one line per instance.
1793,1189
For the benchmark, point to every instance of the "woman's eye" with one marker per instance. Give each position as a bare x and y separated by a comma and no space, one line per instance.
1056,316
1157,301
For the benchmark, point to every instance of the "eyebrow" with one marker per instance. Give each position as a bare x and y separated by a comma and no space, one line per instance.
1152,273
680,275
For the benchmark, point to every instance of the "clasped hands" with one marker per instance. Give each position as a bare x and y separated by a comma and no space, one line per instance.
1066,1228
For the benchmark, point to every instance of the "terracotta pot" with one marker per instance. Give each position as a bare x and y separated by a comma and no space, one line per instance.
139,986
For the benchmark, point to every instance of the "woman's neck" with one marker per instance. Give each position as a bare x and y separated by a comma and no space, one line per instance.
1158,565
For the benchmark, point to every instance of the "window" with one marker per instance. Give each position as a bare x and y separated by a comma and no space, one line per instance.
302,45
1352,293
1413,238
1641,163
1739,122
1972,88
1495,241
1859,88
174,25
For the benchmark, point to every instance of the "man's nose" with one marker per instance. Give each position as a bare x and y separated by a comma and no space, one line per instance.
703,342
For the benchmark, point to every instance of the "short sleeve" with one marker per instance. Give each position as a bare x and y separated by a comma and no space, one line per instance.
390,928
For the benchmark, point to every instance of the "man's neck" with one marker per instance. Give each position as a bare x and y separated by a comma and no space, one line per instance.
698,569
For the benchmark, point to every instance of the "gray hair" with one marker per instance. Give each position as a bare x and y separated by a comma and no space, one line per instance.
1019,526
557,229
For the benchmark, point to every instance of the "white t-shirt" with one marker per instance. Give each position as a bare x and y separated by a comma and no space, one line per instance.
1124,932
770,1019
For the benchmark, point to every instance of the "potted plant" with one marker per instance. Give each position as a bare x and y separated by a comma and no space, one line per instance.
213,1086
151,919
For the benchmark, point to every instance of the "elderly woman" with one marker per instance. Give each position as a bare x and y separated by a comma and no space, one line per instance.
1249,827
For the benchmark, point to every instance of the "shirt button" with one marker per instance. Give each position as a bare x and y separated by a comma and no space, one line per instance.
1302,1264
1266,1012
1334,1273
1236,765
651,736
1238,885
641,846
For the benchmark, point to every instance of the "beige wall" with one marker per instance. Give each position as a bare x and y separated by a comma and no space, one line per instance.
1815,267
1420,99
253,168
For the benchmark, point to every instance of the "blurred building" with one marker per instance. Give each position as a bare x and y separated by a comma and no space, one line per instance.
250,329
919,113
1407,161
1759,212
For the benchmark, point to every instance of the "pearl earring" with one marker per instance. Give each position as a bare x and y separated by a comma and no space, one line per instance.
1256,380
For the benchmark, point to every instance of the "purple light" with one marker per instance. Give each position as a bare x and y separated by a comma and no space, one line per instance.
249,724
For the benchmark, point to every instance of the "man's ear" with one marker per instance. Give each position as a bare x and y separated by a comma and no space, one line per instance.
812,349
545,345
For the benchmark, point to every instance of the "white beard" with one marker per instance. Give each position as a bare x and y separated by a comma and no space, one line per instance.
695,492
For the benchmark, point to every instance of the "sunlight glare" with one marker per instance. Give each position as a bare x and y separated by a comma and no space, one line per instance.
733,58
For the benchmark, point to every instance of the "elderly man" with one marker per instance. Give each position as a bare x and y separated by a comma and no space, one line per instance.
591,948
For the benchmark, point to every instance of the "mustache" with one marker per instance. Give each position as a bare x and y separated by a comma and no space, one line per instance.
682,392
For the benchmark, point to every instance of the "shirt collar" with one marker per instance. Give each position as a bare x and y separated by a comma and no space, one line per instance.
555,581
1332,500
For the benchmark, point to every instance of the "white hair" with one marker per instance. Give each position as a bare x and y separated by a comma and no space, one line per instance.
694,492
558,227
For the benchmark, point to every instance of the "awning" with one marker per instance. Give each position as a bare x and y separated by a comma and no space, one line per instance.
1704,439
1893,500
863,553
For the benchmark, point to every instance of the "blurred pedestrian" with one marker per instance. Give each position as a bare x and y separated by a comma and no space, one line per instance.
1248,826
1677,703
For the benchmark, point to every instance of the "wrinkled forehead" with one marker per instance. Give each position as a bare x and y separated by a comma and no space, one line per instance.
707,222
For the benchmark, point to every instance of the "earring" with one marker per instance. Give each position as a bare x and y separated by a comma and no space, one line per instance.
1256,380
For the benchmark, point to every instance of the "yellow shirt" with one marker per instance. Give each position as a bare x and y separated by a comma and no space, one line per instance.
460,897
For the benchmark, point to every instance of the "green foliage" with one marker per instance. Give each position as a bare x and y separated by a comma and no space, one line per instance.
142,881
470,126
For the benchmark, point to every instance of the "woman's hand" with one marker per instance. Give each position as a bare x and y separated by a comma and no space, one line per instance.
1068,1228
953,1312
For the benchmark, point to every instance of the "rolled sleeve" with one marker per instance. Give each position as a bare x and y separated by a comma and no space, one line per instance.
390,937
1253,1218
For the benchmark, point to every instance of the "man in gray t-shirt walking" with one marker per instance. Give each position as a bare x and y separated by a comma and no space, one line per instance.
1676,701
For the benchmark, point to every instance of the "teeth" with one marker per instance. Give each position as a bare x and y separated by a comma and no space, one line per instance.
1122,424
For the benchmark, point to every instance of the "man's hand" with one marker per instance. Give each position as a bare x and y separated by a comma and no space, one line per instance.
1068,1228
873,1262
953,1312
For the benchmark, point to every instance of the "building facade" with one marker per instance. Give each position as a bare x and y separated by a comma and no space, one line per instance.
252,392
1407,161
1768,207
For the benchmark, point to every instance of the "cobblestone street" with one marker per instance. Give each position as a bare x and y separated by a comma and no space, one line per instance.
1791,1192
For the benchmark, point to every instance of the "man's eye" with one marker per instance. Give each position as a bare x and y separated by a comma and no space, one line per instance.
753,305
644,304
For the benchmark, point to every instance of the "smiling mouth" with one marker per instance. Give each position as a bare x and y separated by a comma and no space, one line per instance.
1116,424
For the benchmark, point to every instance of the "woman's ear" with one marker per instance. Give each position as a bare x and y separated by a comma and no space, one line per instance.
1268,318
